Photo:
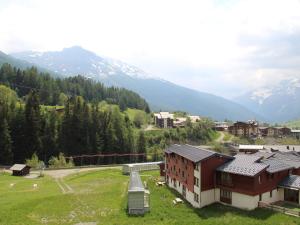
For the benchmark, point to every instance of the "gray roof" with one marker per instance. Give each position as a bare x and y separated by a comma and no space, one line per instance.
193,153
290,158
18,167
292,181
135,183
276,165
246,165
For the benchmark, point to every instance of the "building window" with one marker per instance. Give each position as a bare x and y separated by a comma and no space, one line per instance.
174,183
196,197
197,167
259,180
179,184
225,194
271,193
260,197
196,181
182,173
226,178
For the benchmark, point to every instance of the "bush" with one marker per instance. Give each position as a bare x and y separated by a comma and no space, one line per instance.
34,162
60,162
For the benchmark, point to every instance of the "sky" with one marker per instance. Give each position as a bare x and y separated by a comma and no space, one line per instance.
221,47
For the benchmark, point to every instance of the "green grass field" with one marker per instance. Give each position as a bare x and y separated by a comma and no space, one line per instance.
100,196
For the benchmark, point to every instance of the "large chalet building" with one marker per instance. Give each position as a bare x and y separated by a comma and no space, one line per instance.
204,177
246,129
164,119
252,129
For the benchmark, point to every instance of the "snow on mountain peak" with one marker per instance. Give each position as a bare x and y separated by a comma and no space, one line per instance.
261,95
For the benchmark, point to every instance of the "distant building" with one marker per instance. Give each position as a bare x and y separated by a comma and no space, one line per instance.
138,196
274,131
221,126
195,119
20,170
295,133
163,119
245,129
179,122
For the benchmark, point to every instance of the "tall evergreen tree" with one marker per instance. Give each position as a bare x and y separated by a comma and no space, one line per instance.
33,125
141,147
6,155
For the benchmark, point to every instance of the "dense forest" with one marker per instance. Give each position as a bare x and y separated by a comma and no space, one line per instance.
81,124
55,91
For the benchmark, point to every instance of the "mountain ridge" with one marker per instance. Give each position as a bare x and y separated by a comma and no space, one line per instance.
161,94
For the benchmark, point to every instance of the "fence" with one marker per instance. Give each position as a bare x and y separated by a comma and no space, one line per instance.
281,209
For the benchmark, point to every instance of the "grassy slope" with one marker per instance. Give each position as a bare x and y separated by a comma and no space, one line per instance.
293,124
101,197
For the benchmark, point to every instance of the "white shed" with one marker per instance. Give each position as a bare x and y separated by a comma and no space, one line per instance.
138,196
128,168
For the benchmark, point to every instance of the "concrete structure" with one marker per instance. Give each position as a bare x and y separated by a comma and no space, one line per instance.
204,177
128,168
20,170
163,119
250,148
138,196
295,133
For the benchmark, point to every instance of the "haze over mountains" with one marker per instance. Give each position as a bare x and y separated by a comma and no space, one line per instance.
279,103
161,94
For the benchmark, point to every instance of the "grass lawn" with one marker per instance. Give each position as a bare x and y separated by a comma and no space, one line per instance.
100,196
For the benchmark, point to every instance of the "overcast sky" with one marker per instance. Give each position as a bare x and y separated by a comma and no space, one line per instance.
221,47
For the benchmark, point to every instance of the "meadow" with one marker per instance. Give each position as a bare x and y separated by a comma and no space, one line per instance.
100,197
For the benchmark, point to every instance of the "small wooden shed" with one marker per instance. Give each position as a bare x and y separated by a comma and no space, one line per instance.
138,196
20,170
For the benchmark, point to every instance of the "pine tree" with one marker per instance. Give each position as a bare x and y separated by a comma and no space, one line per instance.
33,125
6,155
141,146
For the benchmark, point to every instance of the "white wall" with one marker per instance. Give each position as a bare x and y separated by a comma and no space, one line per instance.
244,201
277,195
210,196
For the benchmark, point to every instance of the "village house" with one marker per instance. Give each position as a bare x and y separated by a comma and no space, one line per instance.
163,119
274,131
246,129
243,181
221,126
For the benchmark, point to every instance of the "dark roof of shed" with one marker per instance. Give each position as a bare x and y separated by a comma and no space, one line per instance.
135,183
193,153
292,181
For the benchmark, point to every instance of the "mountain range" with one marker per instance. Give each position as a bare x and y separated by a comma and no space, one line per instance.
278,103
160,94
271,104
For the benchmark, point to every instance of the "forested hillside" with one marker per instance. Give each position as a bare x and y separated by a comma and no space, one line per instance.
49,116
55,91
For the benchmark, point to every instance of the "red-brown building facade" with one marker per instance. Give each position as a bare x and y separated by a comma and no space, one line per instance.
204,177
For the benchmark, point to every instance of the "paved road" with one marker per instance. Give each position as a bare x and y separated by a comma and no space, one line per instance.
66,172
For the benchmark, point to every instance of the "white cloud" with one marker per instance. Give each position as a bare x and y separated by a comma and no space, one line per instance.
191,42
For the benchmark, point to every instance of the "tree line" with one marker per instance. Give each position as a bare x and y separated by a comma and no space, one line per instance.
55,91
77,129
